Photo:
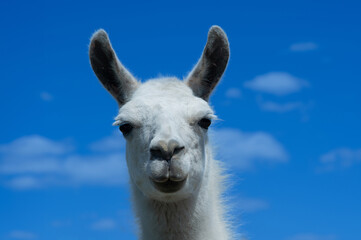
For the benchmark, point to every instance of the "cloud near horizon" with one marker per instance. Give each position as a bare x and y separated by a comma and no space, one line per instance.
276,83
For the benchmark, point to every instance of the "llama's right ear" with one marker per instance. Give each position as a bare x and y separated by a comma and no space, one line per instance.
111,73
210,67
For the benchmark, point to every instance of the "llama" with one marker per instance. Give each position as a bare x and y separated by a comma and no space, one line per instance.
176,185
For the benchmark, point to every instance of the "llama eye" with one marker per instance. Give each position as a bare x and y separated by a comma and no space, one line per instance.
125,128
204,123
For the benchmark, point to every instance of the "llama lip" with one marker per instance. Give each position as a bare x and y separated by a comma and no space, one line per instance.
169,186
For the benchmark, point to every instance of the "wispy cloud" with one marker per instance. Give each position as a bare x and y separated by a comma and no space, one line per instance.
113,143
277,83
61,223
22,235
45,96
311,236
104,224
233,93
24,182
35,145
340,158
252,204
245,150
36,162
279,107
303,46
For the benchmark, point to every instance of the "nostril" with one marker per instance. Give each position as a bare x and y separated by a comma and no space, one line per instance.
156,153
165,150
159,153
177,150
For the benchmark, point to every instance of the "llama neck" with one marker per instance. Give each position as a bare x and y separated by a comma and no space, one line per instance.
195,218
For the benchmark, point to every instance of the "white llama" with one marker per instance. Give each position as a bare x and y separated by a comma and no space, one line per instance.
176,184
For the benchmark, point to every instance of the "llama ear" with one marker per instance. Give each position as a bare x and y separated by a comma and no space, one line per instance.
210,67
111,73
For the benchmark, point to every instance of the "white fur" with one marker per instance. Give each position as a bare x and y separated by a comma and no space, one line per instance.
162,112
162,109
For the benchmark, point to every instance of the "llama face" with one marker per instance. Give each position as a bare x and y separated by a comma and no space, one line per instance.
166,147
164,121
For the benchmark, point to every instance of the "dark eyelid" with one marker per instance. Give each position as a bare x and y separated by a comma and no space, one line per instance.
125,122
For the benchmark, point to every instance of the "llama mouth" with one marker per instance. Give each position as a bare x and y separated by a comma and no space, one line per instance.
169,186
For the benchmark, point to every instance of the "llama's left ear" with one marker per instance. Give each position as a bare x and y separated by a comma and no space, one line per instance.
212,64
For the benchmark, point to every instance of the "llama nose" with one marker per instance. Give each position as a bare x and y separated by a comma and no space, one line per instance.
165,149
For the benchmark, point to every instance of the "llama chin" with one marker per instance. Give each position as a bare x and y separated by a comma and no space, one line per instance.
175,182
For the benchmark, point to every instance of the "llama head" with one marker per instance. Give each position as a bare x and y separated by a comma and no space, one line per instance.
164,121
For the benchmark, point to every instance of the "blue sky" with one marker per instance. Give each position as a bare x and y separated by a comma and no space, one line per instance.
289,102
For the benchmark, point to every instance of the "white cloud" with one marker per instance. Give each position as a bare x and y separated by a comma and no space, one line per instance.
34,162
113,143
35,145
244,150
311,236
252,204
24,182
277,83
107,169
303,46
340,158
279,107
233,93
22,235
46,96
61,223
104,224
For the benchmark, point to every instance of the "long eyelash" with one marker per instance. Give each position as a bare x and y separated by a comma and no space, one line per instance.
117,123
212,117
